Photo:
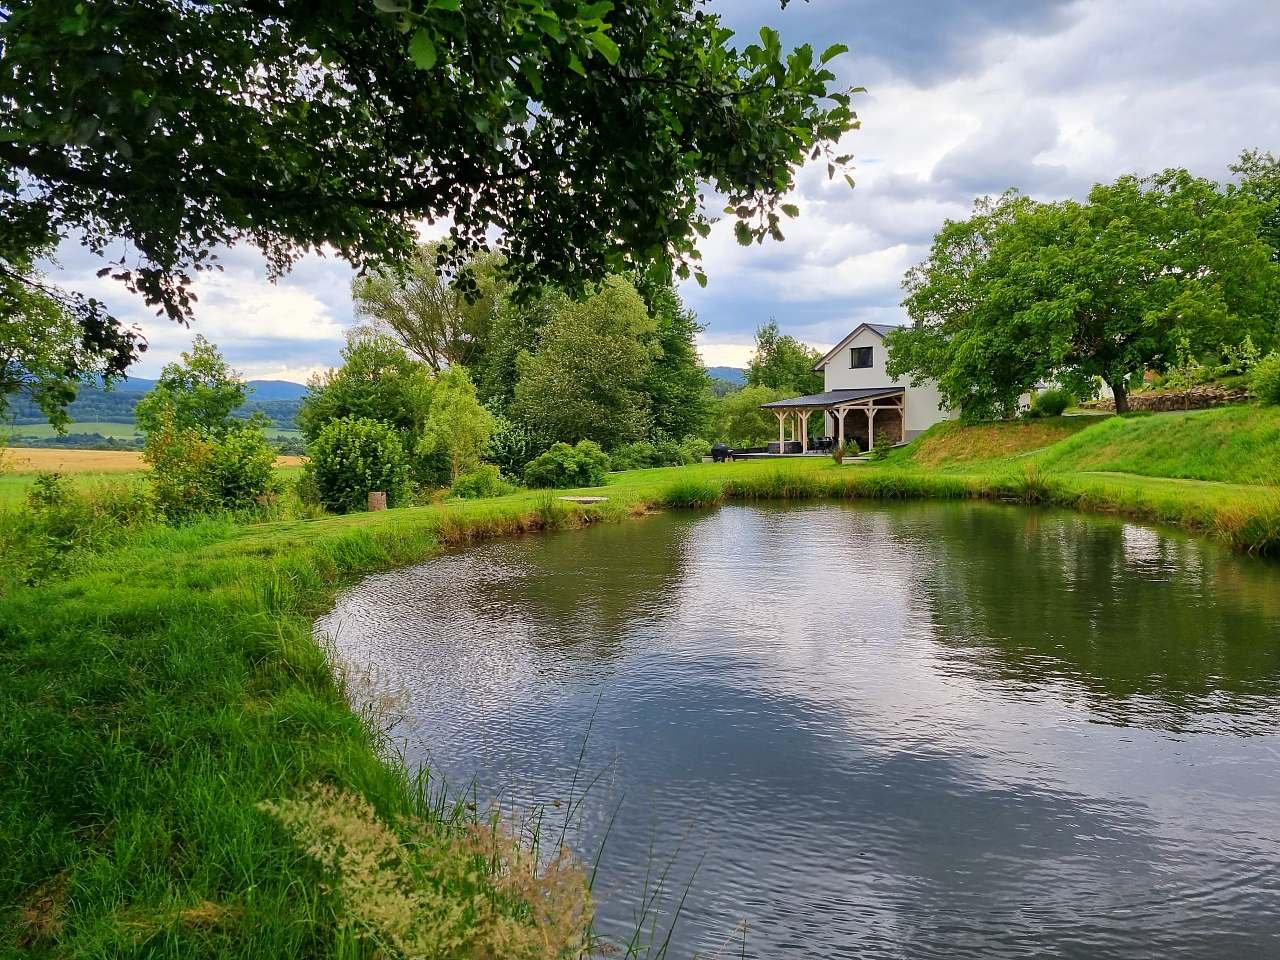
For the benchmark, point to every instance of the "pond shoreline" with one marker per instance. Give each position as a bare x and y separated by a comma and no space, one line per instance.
167,688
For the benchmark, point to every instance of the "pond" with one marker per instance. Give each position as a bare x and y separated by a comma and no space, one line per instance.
920,730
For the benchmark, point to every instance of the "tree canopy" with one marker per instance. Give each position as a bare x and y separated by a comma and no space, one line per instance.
574,136
198,393
1024,292
781,362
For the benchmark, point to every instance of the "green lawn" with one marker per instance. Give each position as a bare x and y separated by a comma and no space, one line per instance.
155,695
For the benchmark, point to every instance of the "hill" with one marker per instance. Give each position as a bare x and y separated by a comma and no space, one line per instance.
1238,444
735,375
278,400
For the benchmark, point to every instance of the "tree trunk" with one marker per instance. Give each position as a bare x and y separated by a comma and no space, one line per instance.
1120,390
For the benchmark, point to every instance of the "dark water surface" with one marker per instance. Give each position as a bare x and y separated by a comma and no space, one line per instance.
926,730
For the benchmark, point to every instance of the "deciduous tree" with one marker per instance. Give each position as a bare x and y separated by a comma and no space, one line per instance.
781,362
578,133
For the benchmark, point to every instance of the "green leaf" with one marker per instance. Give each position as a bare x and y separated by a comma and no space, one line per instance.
701,278
849,180
608,49
594,11
575,64
451,5
832,52
743,233
422,50
791,210
390,6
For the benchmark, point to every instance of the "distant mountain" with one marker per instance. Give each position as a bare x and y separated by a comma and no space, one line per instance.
276,390
735,375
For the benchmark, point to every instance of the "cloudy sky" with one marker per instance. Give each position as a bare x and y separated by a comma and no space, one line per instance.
964,97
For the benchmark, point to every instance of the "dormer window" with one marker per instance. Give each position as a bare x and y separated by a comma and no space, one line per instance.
860,358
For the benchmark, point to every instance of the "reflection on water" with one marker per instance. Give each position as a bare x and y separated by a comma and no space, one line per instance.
928,730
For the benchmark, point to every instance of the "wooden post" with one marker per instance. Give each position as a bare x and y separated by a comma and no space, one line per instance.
377,500
840,427
871,428
782,430
804,430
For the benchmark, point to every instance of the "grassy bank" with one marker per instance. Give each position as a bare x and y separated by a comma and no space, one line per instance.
157,693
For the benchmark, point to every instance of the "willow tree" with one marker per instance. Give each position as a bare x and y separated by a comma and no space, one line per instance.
578,134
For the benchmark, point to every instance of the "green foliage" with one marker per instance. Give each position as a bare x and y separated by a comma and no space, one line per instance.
192,475
738,420
442,318
783,363
199,393
482,480
588,378
883,446
659,453
512,445
678,386
378,380
354,456
203,460
458,427
1023,292
63,526
1051,402
563,466
1264,379
580,135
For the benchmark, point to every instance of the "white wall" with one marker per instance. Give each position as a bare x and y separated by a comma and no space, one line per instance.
924,403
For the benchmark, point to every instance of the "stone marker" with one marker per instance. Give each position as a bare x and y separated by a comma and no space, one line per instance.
377,499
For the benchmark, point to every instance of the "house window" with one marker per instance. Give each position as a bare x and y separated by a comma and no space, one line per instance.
860,358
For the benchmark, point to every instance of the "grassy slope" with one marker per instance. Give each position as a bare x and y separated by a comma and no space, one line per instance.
153,697
1229,444
954,447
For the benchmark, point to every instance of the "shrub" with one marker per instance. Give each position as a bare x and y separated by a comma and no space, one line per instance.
513,444
1264,379
838,453
694,449
352,456
633,456
582,465
1051,403
483,480
883,445
193,475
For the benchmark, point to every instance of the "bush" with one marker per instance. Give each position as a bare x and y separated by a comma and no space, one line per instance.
484,480
193,475
694,449
658,453
1264,379
512,445
62,523
351,457
582,465
1051,403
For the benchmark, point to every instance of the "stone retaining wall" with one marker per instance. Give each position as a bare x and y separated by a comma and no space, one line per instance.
1194,398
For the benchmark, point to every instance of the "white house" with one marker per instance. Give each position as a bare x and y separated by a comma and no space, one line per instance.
860,401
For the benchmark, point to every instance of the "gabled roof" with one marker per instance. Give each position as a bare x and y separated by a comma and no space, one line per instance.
881,330
832,398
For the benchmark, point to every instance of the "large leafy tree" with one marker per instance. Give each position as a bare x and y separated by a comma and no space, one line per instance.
678,386
781,362
1259,175
588,378
199,393
1144,269
578,133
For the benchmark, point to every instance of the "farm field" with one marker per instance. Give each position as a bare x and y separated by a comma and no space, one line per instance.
19,467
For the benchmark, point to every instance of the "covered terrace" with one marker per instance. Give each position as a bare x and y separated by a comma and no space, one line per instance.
875,410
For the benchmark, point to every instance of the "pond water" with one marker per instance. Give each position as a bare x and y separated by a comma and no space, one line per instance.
918,730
